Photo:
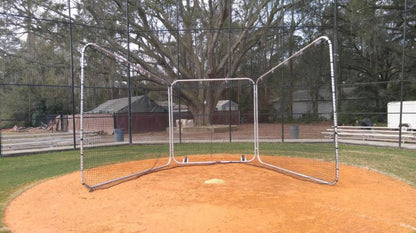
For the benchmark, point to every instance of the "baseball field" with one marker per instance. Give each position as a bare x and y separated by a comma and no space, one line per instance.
375,193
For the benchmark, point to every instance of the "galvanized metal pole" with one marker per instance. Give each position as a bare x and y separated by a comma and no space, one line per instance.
0,139
128,72
4,70
179,69
335,53
336,57
402,76
72,75
282,105
282,100
229,68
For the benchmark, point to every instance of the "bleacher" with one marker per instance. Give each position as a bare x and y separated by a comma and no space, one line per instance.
12,143
372,133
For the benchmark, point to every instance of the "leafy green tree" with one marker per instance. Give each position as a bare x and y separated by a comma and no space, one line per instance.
36,61
371,34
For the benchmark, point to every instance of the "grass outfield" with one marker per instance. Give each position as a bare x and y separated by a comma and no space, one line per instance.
18,173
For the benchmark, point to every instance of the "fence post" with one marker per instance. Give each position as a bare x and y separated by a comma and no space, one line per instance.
71,50
402,71
1,147
128,72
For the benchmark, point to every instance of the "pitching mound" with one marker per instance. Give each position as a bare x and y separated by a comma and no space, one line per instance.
218,198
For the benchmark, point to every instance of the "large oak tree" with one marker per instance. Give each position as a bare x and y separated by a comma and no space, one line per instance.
187,40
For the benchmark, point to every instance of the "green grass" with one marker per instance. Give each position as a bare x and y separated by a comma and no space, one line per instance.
19,172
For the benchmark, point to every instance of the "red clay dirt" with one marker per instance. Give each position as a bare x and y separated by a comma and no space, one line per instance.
251,199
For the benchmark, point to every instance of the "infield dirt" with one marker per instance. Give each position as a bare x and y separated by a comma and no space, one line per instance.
251,199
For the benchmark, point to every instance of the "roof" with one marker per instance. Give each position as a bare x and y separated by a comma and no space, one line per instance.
175,106
138,104
305,95
223,105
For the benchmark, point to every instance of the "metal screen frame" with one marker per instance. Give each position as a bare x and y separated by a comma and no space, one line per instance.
171,157
334,108
171,134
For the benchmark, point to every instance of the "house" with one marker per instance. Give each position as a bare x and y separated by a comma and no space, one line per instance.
303,105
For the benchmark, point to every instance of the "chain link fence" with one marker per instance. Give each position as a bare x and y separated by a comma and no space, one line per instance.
40,69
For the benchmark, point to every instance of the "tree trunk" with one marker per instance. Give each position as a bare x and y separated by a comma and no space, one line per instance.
202,116
203,106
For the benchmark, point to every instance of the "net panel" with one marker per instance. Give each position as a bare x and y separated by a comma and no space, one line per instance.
295,105
105,121
209,115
